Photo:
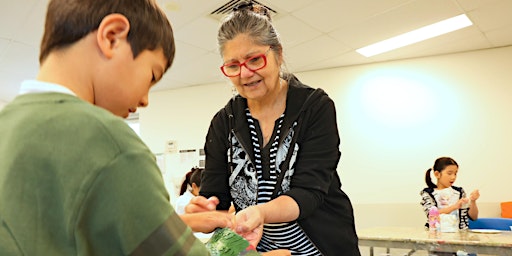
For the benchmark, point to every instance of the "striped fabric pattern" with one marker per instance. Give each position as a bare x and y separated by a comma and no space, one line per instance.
277,235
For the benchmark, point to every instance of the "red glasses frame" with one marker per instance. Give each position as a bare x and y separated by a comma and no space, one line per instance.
263,55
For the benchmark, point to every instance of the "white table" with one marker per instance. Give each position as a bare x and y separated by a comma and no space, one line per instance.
418,238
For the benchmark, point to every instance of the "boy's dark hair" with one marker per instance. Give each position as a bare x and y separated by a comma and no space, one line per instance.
68,21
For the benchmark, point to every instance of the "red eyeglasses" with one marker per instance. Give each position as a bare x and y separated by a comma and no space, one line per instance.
253,64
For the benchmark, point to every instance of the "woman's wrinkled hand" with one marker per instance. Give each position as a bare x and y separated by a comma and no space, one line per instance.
249,224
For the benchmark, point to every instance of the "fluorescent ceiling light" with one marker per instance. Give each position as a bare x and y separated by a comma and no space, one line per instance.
424,33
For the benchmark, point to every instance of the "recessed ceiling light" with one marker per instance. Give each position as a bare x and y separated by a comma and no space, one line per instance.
424,33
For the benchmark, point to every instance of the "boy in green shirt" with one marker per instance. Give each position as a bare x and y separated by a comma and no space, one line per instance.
74,178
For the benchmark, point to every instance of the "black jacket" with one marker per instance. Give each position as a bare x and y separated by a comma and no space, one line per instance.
326,214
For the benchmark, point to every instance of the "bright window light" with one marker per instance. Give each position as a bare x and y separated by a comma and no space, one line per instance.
133,121
135,127
424,33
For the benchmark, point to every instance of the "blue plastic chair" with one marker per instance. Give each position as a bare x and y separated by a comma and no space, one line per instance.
491,223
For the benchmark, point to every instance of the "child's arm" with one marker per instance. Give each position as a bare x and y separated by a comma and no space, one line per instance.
426,201
454,206
473,208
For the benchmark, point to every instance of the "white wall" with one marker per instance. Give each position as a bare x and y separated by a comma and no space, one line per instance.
181,114
394,118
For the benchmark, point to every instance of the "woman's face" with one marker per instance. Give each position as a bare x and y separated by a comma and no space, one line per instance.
252,85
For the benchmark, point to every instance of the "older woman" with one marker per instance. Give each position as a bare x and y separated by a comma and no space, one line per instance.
273,150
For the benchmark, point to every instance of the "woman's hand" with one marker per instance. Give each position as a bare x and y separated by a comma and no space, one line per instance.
253,236
249,224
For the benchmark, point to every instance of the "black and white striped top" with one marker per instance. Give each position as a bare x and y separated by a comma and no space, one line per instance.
277,235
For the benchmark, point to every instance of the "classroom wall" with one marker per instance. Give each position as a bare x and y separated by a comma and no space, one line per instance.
395,118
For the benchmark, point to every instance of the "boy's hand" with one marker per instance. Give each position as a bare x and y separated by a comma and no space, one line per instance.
208,221
201,204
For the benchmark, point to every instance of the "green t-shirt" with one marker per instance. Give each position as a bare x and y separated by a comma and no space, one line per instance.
76,180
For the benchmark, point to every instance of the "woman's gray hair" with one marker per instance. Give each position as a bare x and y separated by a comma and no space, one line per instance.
253,20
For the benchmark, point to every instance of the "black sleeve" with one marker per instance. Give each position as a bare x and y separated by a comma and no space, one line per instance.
214,179
317,158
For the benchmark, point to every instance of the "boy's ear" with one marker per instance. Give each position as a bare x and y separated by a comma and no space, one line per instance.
112,30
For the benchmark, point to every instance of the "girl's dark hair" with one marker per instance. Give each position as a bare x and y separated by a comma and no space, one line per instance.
193,176
439,165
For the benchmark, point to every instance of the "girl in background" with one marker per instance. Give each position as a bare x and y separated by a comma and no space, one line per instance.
447,198
189,189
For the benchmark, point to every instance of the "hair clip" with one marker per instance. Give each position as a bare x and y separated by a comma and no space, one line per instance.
244,5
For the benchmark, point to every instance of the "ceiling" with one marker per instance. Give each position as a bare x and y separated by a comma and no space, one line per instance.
316,34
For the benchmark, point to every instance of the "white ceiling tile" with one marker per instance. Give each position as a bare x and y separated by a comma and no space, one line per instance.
395,22
328,15
288,26
493,16
199,70
182,12
287,5
20,59
466,39
469,5
320,17
500,37
186,53
201,32
315,33
28,33
313,51
13,15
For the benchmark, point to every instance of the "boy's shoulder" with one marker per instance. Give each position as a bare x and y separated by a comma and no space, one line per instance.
66,114
60,106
